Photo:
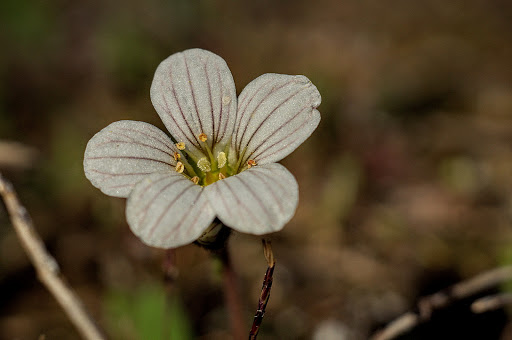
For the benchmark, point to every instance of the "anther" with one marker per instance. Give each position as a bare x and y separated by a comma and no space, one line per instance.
221,159
176,156
195,179
226,100
180,167
221,175
180,146
204,164
203,137
251,163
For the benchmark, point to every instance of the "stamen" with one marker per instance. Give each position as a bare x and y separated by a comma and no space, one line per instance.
180,167
195,179
226,100
221,175
204,164
221,159
180,146
251,163
203,137
176,156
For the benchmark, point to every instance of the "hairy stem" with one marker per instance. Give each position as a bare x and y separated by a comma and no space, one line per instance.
265,290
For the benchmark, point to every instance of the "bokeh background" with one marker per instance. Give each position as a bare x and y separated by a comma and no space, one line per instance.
405,187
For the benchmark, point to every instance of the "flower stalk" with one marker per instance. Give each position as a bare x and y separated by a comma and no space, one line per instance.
218,172
232,295
265,290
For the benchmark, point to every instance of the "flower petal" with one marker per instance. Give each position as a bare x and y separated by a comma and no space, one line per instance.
194,92
123,153
167,210
257,201
276,113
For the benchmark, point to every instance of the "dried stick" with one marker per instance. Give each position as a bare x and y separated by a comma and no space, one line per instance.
47,268
265,290
442,299
492,302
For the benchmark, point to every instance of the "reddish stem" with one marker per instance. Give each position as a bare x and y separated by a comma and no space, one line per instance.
232,296
265,290
262,303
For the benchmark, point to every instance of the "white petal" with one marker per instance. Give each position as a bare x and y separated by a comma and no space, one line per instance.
194,92
123,153
167,210
257,201
276,113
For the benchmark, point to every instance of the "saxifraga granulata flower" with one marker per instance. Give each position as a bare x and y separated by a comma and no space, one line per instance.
218,169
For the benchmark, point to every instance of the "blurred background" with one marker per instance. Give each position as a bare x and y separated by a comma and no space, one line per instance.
405,187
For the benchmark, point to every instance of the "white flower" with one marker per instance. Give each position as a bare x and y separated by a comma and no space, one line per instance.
220,162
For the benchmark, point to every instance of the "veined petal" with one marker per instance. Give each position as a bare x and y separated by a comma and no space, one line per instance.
194,92
276,113
125,152
167,210
257,201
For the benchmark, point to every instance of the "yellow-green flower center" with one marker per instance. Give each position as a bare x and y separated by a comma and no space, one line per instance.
209,167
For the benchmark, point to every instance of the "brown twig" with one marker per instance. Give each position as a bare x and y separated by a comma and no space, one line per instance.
47,268
265,290
16,155
442,299
492,302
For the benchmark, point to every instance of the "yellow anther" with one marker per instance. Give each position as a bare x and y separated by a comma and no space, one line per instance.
176,156
251,163
180,167
204,164
221,175
203,137
180,146
195,179
221,159
226,100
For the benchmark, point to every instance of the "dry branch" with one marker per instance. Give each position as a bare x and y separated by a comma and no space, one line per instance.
46,267
444,298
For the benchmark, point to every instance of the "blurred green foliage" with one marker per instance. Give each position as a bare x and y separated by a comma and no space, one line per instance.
147,313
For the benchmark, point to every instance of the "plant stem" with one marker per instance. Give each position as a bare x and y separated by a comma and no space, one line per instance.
265,290
232,295
169,268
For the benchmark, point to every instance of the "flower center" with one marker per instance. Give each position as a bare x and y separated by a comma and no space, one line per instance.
207,168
